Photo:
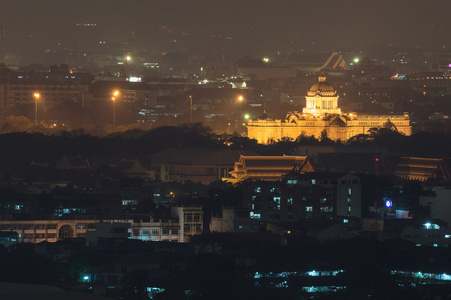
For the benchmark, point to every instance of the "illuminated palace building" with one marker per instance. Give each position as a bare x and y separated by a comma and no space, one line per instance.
322,115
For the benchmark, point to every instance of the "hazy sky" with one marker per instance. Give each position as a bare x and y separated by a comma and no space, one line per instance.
260,24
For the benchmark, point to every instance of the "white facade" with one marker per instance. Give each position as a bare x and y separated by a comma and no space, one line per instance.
190,219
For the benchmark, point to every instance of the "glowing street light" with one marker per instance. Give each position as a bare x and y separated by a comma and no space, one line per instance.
127,59
115,94
241,101
36,97
190,109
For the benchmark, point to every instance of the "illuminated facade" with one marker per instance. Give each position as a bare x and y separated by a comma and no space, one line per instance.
323,116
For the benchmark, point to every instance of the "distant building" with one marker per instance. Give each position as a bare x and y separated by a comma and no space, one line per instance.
231,220
139,94
157,231
8,238
439,204
268,167
413,168
107,230
183,223
194,164
36,231
190,219
310,196
315,62
72,163
323,118
133,168
55,87
264,73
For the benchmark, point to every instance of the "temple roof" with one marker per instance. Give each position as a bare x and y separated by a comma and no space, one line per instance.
269,167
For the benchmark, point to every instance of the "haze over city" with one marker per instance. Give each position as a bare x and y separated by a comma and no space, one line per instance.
242,149
256,28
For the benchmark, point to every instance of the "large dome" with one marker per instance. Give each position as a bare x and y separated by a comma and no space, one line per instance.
322,88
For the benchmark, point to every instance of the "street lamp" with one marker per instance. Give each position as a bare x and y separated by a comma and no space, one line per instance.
127,59
190,109
241,101
115,94
36,97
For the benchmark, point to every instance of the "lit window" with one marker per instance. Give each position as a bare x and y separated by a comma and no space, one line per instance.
309,208
345,221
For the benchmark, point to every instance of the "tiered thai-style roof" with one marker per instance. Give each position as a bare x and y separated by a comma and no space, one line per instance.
269,167
415,168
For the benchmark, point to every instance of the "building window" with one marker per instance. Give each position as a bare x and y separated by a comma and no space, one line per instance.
309,208
196,217
155,232
145,232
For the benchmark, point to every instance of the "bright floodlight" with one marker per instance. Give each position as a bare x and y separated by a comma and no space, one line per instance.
356,60
37,95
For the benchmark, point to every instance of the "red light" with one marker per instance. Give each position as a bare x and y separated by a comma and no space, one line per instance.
377,159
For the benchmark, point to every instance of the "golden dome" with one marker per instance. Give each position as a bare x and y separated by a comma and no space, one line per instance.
322,88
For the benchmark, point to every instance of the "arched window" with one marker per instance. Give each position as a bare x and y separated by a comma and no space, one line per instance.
66,232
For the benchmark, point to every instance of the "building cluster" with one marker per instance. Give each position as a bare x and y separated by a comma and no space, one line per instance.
361,93
300,194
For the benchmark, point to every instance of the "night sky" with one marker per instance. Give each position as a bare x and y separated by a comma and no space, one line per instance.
256,26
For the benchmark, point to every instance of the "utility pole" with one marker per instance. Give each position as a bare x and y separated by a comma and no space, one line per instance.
190,109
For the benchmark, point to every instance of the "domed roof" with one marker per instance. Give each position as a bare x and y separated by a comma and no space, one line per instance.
322,88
